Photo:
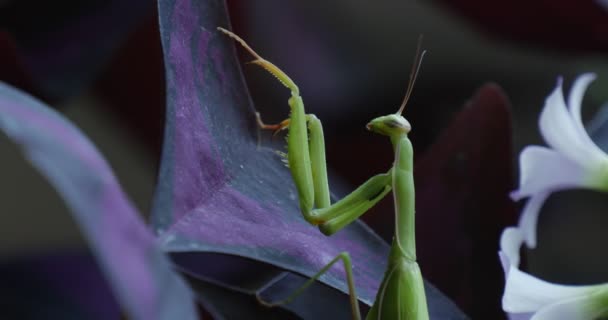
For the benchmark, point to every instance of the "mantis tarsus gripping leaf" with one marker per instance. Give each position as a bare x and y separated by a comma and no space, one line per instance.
401,294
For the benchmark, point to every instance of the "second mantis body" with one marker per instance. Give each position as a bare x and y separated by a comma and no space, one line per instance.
401,294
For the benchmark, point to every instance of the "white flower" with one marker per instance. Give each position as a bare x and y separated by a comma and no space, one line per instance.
573,161
527,297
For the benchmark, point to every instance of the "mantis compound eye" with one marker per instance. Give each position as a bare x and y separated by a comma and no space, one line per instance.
399,124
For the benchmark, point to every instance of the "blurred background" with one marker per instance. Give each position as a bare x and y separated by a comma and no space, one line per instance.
100,63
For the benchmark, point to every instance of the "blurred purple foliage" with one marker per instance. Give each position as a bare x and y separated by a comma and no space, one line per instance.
461,179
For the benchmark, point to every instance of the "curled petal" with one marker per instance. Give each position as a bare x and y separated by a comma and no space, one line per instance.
573,309
543,169
510,243
560,131
575,102
520,316
525,293
575,99
528,220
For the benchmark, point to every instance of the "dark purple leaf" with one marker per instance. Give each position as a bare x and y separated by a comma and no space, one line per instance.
138,271
218,191
327,302
249,277
463,180
229,303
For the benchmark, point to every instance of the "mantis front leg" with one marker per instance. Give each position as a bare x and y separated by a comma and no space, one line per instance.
307,150
306,160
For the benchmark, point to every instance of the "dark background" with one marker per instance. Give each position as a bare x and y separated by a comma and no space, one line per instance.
351,60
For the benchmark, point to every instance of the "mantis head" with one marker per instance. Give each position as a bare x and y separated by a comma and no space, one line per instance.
395,124
390,125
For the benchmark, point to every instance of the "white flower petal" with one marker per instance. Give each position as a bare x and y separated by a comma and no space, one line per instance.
520,316
510,243
528,220
543,169
573,309
525,293
575,99
559,130
575,102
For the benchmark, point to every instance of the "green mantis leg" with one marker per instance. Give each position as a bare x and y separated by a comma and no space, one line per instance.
316,149
340,214
316,152
332,218
306,159
401,295
345,258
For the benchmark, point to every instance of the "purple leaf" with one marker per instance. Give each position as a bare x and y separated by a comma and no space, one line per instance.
227,302
139,273
218,191
464,180
249,277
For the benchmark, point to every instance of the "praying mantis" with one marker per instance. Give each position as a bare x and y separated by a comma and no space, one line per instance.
401,294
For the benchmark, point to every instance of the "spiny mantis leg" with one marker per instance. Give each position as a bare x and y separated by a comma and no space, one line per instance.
349,208
298,150
307,165
269,66
316,149
345,258
306,158
332,218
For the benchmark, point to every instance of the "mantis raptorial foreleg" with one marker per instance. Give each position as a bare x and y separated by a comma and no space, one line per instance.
345,258
306,160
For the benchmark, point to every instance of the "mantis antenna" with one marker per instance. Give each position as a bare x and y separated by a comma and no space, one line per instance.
413,74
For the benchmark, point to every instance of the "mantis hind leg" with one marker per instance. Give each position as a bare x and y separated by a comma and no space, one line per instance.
345,258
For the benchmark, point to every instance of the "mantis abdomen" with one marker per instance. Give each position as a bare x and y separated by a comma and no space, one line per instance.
399,294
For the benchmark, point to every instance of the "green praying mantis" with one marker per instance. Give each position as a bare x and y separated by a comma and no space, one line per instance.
401,294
